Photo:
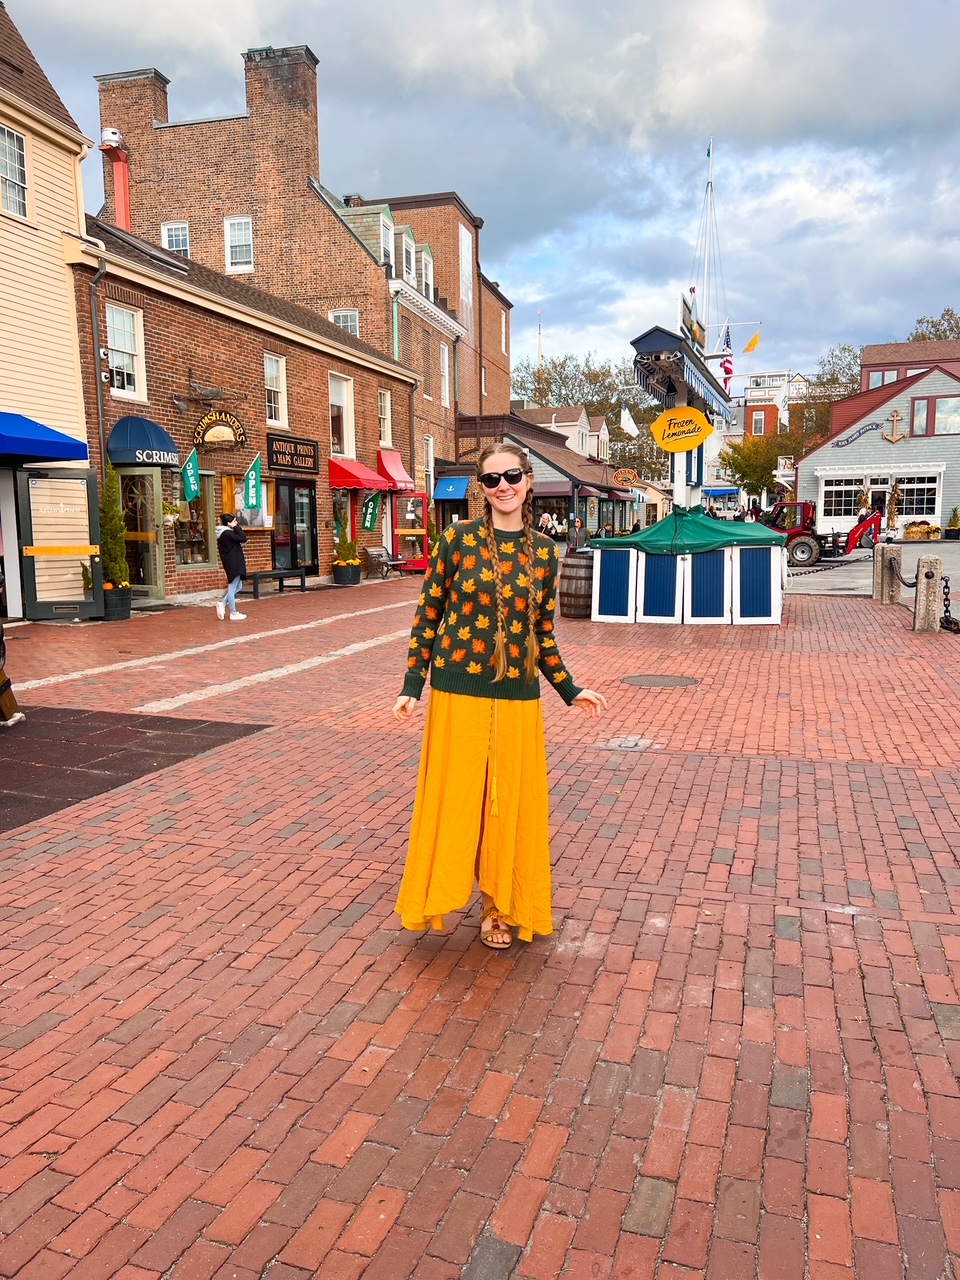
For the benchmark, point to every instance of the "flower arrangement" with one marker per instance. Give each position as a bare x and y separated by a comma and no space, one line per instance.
345,548
933,531
113,535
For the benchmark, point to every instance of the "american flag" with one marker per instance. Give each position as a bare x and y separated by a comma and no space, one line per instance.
726,364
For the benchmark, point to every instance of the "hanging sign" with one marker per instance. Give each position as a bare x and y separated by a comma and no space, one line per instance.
626,477
371,513
219,427
190,478
251,486
679,430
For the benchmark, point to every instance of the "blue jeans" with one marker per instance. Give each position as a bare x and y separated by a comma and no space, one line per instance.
230,599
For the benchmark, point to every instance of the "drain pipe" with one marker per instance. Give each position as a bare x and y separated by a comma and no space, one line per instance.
413,437
98,363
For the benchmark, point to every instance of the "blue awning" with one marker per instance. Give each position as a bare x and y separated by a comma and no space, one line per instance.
451,489
720,493
23,440
138,442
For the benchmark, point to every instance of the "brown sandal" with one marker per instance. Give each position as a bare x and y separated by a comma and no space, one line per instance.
496,927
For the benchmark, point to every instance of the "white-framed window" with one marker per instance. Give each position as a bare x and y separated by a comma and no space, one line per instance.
275,389
445,375
918,495
238,243
466,273
483,380
503,330
386,240
13,172
348,319
426,273
840,496
175,236
385,415
758,423
342,433
407,257
125,345
880,378
428,467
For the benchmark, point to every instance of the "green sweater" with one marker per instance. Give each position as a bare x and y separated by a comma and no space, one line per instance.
455,628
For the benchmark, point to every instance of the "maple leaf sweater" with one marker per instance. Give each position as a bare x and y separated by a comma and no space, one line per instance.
455,628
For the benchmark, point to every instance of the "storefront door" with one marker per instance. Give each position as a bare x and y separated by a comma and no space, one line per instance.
60,529
295,527
142,504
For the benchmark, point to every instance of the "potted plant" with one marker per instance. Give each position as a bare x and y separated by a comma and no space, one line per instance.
933,533
346,562
952,531
113,550
893,512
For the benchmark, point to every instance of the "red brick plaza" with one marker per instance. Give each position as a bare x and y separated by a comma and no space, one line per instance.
736,1057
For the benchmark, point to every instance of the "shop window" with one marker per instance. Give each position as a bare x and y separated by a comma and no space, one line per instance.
841,496
342,437
342,513
275,385
256,517
918,495
193,529
384,413
13,172
125,345
238,243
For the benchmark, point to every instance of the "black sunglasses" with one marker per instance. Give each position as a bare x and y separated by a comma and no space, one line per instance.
491,479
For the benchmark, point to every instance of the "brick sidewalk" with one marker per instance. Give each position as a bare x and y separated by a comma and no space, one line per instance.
736,1057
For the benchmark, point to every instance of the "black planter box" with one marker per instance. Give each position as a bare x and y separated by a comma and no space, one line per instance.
346,575
116,604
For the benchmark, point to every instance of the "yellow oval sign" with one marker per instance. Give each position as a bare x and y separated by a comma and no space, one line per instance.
678,430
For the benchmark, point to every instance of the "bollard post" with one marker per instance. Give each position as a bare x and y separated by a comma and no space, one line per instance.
928,602
887,590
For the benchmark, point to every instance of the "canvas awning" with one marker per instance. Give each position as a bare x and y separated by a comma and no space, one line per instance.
720,493
621,496
552,489
347,474
138,442
390,465
23,440
684,532
451,489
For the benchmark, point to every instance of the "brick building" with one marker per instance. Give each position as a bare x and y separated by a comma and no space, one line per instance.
242,195
188,358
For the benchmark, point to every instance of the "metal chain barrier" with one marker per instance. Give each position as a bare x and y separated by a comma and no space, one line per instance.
948,622
824,568
895,570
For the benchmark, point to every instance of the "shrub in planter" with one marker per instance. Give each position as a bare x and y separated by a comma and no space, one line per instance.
952,531
346,562
113,550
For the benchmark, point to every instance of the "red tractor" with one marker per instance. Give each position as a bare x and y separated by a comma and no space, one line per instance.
807,542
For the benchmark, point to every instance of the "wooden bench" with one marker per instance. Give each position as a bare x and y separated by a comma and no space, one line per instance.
380,558
272,575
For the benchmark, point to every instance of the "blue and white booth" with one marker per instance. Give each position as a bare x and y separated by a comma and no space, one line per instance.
692,569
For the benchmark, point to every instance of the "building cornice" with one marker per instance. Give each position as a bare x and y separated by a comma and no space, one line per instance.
84,253
414,300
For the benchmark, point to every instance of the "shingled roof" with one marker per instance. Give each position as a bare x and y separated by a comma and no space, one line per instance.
22,76
126,245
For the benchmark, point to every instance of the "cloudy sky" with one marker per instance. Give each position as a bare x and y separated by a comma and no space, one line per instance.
577,129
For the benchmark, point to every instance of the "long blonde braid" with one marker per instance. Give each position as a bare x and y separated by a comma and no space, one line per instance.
499,659
533,596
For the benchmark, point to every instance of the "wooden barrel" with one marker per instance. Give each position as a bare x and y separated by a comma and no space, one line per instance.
576,585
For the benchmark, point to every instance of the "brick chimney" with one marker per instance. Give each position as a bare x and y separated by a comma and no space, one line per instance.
281,86
131,102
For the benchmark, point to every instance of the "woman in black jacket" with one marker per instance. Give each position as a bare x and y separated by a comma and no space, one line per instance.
230,540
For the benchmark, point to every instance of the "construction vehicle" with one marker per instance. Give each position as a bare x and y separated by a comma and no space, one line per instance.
807,539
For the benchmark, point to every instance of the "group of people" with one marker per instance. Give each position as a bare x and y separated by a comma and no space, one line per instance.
742,513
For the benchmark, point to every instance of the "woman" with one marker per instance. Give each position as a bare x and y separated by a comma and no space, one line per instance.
483,628
578,536
230,540
546,525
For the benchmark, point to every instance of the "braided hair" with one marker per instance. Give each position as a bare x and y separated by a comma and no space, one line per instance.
499,659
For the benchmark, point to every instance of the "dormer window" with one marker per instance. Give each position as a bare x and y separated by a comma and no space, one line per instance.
386,241
426,272
406,256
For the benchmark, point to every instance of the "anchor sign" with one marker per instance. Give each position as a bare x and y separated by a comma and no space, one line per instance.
895,436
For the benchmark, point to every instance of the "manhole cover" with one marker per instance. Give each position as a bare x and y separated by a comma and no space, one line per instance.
660,682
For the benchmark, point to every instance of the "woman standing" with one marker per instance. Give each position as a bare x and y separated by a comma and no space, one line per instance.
483,628
578,536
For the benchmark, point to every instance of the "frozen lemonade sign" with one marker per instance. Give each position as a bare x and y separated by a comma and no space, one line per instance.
679,430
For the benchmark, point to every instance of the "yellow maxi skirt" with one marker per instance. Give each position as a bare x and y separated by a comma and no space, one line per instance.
482,784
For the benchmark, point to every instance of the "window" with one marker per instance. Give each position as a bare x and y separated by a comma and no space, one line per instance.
758,423
426,273
889,375
407,258
341,416
840,496
275,386
342,513
238,235
919,417
466,275
234,493
348,319
483,379
175,236
428,467
13,172
384,414
918,495
911,372
939,415
503,331
386,241
880,378
193,527
444,375
125,344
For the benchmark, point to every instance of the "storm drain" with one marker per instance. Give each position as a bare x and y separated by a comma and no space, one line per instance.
660,682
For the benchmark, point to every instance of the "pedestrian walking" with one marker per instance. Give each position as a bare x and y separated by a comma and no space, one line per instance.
483,628
230,540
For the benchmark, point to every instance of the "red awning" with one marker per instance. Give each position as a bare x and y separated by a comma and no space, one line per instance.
551,489
621,496
587,492
354,475
390,465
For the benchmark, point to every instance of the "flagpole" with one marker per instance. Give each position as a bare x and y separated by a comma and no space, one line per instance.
708,237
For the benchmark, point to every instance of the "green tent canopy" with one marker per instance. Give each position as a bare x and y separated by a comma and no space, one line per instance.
686,531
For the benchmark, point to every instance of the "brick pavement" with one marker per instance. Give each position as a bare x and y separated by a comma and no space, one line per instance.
736,1057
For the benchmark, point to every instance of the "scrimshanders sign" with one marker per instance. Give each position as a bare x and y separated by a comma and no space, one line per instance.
679,430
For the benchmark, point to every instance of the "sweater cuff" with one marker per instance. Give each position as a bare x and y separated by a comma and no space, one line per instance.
568,691
412,685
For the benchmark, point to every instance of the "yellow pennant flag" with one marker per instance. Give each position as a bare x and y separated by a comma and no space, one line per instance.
752,344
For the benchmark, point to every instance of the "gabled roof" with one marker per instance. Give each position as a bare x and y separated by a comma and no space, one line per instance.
574,465
560,415
847,411
597,423
927,353
22,76
123,244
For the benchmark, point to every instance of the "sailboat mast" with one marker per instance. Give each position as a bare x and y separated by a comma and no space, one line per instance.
708,238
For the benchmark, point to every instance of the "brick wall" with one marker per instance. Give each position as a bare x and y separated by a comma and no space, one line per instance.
181,339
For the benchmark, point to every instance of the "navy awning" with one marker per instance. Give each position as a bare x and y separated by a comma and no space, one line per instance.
23,440
720,493
451,489
138,442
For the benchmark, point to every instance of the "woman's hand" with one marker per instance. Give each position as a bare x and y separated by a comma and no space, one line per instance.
590,702
403,707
